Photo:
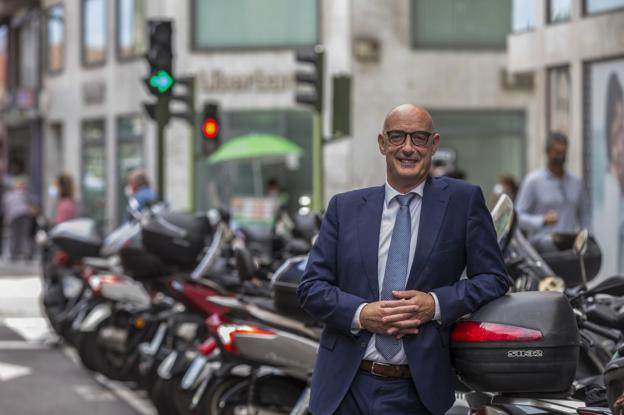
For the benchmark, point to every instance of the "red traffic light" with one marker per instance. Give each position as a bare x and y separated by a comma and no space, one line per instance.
210,128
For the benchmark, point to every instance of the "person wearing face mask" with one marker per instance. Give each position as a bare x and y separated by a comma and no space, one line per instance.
66,205
552,199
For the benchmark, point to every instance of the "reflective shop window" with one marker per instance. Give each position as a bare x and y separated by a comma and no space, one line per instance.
559,99
130,155
55,38
470,24
254,24
4,39
93,177
602,6
485,144
131,33
524,15
94,21
216,184
559,10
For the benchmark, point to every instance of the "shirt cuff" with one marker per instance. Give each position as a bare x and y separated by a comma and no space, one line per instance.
437,317
355,323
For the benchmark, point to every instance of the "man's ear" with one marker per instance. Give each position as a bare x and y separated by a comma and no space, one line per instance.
381,142
436,142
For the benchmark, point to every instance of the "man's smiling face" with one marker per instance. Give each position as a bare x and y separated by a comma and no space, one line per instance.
407,165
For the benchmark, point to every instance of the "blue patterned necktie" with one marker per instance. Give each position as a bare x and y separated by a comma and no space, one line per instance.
396,269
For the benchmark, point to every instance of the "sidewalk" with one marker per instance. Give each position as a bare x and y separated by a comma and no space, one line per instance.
19,268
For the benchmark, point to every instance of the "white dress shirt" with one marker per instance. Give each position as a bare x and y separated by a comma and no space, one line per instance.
388,217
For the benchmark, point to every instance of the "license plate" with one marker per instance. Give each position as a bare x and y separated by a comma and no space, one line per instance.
192,374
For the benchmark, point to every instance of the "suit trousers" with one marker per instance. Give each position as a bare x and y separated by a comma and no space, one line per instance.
21,240
373,395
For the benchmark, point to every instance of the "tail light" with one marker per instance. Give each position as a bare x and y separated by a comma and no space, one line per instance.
97,282
475,331
60,258
207,346
228,333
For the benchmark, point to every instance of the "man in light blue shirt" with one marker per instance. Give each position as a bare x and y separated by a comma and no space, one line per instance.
552,199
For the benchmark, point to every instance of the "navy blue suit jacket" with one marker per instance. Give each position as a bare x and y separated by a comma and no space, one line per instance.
455,231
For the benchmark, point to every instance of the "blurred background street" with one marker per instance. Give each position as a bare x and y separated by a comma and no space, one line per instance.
259,111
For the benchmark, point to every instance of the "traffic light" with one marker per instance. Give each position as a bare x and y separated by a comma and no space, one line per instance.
310,83
160,57
210,128
184,94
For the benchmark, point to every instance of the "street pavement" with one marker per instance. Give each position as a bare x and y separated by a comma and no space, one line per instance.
40,375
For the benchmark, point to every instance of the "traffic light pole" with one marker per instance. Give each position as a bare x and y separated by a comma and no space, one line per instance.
317,162
162,118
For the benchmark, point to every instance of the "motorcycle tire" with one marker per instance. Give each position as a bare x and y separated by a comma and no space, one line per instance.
170,398
98,359
231,396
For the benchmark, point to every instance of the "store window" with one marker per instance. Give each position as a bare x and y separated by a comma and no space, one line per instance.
217,184
559,100
602,6
55,45
130,155
559,10
93,177
604,158
524,17
460,23
130,28
4,61
483,144
94,21
254,24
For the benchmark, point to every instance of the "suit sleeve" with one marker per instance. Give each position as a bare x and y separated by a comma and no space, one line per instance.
319,293
485,268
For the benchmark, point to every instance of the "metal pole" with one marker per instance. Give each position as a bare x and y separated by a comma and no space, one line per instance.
161,121
317,163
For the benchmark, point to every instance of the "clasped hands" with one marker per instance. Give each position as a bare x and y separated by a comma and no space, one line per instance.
398,317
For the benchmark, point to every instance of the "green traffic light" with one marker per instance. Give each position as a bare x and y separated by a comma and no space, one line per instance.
162,81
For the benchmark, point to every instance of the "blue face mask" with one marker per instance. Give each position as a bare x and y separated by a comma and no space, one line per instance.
53,192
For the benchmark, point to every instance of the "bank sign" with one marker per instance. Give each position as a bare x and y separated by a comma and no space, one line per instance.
258,81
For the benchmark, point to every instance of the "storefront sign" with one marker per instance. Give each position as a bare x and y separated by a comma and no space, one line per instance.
256,81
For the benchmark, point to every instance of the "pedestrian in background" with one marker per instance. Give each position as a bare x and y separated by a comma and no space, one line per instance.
552,199
66,205
506,185
18,215
139,188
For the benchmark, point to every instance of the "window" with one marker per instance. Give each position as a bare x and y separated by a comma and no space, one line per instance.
524,15
130,28
254,24
94,31
130,155
4,61
602,6
28,57
559,10
55,26
216,184
559,92
475,24
93,178
484,144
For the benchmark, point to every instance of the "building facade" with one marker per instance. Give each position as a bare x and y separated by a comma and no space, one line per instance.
575,51
448,55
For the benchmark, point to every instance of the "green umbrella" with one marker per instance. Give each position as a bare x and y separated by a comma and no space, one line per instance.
255,146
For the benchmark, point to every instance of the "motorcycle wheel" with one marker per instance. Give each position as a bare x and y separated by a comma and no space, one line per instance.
272,395
170,398
98,359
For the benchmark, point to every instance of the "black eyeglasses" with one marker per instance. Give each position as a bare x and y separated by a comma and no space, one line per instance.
419,138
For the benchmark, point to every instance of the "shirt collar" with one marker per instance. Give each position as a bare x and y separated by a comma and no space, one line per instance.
391,192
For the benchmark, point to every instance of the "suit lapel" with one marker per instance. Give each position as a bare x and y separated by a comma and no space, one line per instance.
435,200
369,224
